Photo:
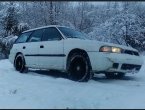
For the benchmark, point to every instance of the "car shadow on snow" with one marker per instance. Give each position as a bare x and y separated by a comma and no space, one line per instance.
51,73
97,77
103,79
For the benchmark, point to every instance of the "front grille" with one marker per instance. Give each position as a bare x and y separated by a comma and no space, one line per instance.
130,52
130,67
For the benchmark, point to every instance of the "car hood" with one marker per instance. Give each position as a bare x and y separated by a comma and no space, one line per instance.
94,45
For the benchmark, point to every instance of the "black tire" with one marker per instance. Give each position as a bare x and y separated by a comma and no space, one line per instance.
79,68
19,64
114,75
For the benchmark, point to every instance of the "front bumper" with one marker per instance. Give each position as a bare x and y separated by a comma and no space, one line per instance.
115,62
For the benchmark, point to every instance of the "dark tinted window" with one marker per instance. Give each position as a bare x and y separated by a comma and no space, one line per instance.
23,37
36,36
71,33
51,34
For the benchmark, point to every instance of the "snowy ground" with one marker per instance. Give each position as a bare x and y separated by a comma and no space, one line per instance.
35,90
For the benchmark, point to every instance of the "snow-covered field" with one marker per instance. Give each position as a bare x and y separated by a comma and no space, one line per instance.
34,90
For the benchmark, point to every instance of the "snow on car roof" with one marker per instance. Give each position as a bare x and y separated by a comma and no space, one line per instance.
44,27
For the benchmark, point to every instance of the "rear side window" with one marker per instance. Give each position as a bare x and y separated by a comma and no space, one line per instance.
51,33
23,37
36,36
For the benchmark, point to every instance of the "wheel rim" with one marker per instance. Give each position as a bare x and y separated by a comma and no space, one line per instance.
78,69
19,64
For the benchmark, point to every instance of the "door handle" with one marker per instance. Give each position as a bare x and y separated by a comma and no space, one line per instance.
41,46
24,47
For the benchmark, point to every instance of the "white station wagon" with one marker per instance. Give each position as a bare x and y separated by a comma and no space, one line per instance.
61,48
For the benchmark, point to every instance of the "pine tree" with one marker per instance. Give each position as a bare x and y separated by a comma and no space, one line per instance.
10,21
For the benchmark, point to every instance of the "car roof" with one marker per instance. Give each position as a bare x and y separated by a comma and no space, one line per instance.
43,28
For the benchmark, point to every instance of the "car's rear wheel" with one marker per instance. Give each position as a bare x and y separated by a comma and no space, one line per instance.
79,68
115,75
19,63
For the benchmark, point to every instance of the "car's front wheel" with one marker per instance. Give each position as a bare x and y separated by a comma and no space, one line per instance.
79,68
19,63
114,75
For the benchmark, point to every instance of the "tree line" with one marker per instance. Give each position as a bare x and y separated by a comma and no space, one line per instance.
117,22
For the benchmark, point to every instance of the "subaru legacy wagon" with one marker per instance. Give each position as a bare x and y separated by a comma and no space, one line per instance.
61,48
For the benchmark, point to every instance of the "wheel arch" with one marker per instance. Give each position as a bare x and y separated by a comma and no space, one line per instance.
18,54
77,50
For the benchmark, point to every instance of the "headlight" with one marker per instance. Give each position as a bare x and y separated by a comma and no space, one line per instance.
110,49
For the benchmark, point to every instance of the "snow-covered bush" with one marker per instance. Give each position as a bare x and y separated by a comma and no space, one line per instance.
6,44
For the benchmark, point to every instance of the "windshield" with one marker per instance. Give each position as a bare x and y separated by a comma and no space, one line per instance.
71,33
